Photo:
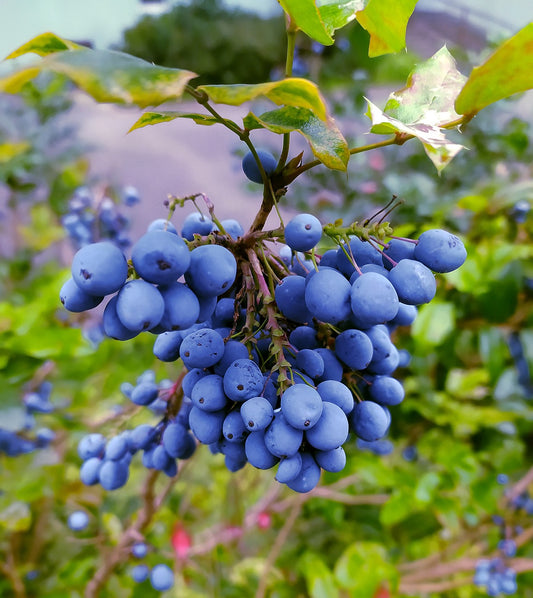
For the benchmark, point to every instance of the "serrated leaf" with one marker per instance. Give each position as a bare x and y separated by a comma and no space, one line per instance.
507,71
386,21
325,139
44,44
439,149
108,76
291,92
155,118
430,92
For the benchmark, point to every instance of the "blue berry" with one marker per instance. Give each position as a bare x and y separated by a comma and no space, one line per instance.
250,168
78,521
162,578
440,251
99,269
303,232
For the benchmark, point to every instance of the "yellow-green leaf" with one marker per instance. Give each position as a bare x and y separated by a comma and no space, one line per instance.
507,71
44,44
108,76
154,118
325,139
16,517
386,21
11,150
292,92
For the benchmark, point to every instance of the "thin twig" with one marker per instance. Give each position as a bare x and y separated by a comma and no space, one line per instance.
278,545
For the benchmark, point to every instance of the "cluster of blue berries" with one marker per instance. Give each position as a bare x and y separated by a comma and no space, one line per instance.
161,575
495,574
90,219
495,577
107,462
17,442
279,372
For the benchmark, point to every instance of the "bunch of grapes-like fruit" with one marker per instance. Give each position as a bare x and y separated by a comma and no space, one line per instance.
282,353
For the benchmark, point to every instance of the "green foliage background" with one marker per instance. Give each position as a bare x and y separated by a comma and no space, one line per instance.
367,532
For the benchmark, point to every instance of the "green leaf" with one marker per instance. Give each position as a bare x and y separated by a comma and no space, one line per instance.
154,118
423,107
44,44
320,580
507,71
319,19
306,16
386,21
397,508
108,76
435,321
292,92
16,517
10,150
325,139
426,487
335,14
363,568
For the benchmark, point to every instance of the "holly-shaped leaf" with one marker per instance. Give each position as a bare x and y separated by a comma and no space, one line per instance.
292,91
325,139
319,19
430,92
423,107
507,71
386,21
439,149
105,75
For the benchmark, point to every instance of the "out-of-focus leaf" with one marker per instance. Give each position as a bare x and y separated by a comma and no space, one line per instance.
386,21
320,580
154,118
108,76
352,570
426,487
325,139
507,71
44,44
467,384
16,517
396,509
10,150
291,92
43,230
435,321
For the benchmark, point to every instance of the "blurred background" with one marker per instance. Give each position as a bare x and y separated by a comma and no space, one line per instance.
441,486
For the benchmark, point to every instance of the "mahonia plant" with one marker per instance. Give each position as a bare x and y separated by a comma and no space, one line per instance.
283,338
